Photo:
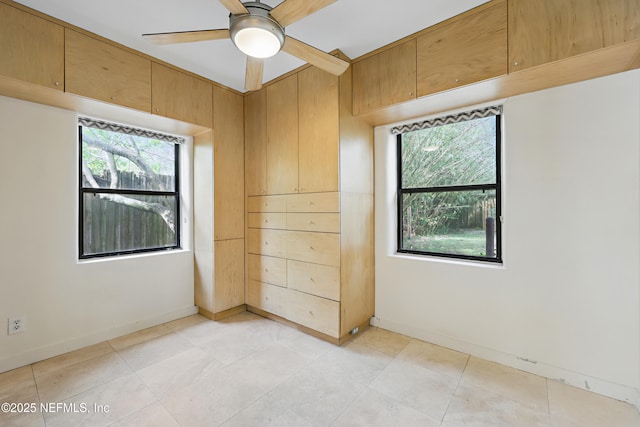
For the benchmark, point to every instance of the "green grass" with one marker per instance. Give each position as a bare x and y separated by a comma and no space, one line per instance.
459,242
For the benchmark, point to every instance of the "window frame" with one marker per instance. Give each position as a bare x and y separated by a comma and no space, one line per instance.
497,187
176,193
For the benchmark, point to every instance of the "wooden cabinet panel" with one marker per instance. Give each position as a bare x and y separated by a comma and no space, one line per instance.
229,274
315,279
282,136
268,269
255,126
105,72
318,248
319,132
546,31
322,222
275,220
180,96
468,50
267,242
267,297
266,204
386,78
317,313
32,48
316,202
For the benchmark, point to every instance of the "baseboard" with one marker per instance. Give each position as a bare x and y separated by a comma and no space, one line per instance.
56,349
576,379
222,314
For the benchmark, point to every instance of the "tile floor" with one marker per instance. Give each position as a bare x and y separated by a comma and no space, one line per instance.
250,371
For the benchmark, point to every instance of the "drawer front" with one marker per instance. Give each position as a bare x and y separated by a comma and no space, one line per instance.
266,204
268,269
313,202
276,220
315,279
317,313
267,242
272,299
313,221
318,248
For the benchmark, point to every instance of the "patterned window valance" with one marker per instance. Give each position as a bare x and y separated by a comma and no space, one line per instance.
454,118
85,121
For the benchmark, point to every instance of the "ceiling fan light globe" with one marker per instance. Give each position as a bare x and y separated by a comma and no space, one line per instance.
257,42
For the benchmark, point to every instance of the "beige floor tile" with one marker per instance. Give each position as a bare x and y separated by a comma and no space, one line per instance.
306,344
426,391
64,360
151,416
105,404
202,332
128,340
573,407
434,358
263,414
508,382
64,383
184,322
24,409
384,341
477,407
231,346
165,377
154,350
15,379
374,409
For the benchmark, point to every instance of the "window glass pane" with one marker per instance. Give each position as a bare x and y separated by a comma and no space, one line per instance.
114,222
121,161
461,153
452,222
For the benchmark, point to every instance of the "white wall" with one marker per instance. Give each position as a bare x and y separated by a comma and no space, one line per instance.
567,298
67,303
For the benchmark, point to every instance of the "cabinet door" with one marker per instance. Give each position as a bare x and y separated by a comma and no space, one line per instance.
255,129
229,274
180,96
282,136
32,48
101,71
468,50
319,131
546,31
386,78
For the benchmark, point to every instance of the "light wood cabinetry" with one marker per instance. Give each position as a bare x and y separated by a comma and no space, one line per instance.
102,71
255,129
180,96
469,50
32,48
547,31
386,78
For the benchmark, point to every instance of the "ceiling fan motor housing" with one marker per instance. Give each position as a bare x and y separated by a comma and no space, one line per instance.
259,18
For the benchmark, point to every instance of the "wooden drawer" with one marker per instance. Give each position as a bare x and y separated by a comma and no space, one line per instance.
272,299
317,313
318,248
313,221
266,204
275,220
267,242
316,279
313,202
268,269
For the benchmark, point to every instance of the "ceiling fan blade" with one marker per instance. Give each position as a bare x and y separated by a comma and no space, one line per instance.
253,79
290,11
186,36
234,6
313,56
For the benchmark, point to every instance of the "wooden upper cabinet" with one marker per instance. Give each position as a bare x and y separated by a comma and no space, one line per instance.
282,136
102,71
319,133
468,50
386,78
32,48
180,96
255,131
547,31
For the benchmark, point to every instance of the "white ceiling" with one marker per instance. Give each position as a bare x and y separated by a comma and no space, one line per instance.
353,26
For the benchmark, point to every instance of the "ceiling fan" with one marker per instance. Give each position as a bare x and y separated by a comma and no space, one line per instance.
257,30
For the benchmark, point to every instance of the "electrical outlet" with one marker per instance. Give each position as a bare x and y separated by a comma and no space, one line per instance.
16,325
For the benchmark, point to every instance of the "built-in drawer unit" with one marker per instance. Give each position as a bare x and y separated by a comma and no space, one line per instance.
267,242
266,204
270,298
268,269
317,313
275,220
313,221
315,279
318,248
313,202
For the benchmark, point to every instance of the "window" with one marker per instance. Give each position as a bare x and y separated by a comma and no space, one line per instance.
129,190
449,186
